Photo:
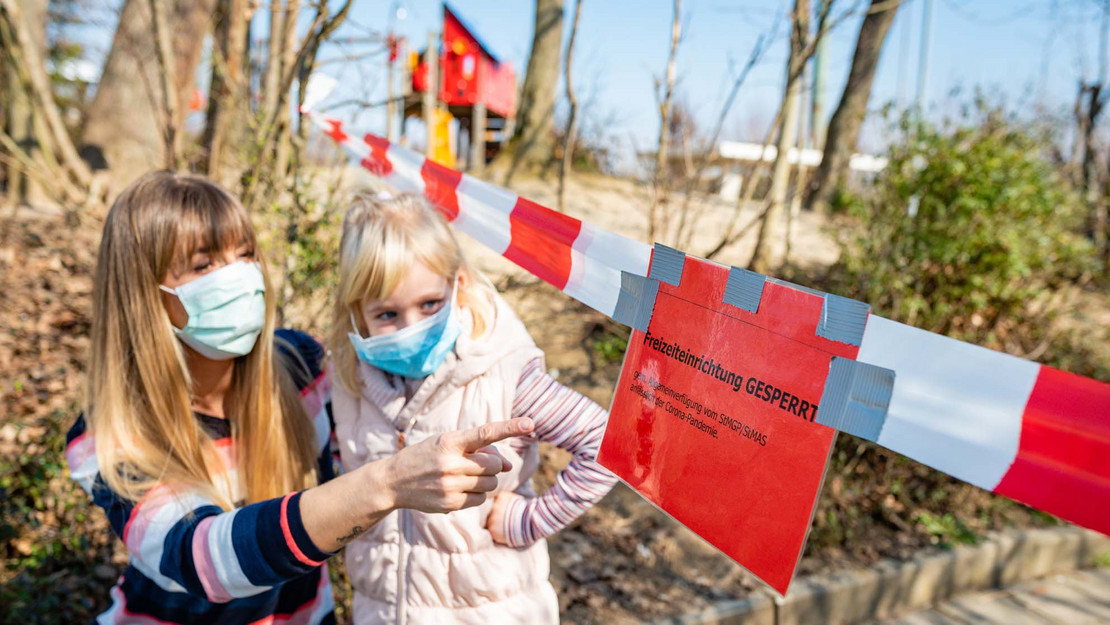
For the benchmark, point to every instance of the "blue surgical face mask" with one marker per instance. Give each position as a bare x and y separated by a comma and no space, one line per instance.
414,351
226,308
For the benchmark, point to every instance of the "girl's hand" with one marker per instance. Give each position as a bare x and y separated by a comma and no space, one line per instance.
495,522
453,470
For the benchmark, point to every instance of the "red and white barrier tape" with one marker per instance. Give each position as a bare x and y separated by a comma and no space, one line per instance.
1014,427
1023,430
577,258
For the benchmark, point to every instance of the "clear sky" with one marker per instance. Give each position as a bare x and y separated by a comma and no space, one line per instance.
1028,52
1031,53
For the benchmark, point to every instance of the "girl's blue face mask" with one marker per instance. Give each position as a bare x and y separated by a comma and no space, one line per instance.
226,308
414,351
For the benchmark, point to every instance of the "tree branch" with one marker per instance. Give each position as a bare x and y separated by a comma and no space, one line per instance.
569,135
164,51
32,73
760,48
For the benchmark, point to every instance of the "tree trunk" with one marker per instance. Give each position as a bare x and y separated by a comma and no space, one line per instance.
228,106
780,178
1090,178
660,182
18,113
124,127
1099,212
572,129
60,168
532,145
190,21
284,57
844,128
806,132
1075,164
271,149
171,121
820,76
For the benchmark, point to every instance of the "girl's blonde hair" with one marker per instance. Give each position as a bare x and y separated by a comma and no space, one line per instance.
381,239
138,404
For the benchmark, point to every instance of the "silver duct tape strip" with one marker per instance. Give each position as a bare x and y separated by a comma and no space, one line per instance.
843,319
856,398
666,264
744,289
636,301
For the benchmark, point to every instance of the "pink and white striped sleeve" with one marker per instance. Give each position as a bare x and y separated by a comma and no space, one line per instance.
569,421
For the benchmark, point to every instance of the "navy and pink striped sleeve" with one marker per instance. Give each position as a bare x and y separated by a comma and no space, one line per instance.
183,541
304,359
569,421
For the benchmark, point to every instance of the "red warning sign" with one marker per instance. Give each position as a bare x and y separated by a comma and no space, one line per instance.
719,432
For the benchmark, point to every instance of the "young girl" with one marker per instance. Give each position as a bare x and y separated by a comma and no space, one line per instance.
205,431
422,344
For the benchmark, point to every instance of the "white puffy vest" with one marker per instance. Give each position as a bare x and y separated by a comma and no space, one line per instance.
444,568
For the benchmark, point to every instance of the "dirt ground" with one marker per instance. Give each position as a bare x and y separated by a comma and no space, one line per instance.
622,562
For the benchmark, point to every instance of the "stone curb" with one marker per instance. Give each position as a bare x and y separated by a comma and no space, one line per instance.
893,587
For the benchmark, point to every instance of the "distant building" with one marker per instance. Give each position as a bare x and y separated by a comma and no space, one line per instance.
736,153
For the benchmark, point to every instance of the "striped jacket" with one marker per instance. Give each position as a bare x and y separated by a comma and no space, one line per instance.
192,562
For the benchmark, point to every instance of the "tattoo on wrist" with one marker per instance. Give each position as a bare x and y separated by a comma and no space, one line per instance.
355,531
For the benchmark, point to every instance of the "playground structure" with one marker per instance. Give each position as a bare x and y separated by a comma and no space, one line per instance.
457,78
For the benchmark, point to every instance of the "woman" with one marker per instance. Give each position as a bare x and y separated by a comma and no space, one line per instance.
205,436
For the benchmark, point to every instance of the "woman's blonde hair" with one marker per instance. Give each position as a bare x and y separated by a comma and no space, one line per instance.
138,404
381,239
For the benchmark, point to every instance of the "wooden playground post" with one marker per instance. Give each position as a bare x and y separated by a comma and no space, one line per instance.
390,103
478,138
431,90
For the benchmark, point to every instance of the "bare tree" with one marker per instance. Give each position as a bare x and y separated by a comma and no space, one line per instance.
707,154
125,126
164,50
57,166
698,153
805,132
1088,107
570,135
18,109
228,104
844,128
664,95
281,56
788,126
795,66
531,146
274,151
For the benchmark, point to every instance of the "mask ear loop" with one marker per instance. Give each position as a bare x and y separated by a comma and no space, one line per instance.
354,325
172,292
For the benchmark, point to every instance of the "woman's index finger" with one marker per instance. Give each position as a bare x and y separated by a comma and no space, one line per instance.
474,439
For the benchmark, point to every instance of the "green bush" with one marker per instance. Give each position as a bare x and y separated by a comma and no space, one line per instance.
947,530
49,544
300,233
968,230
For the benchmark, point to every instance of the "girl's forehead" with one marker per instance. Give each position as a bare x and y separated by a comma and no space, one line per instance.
419,282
